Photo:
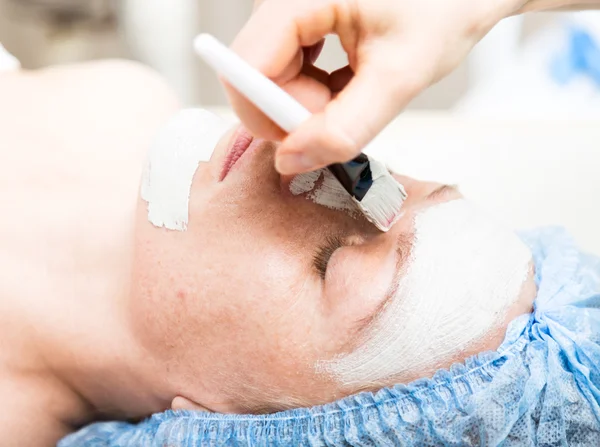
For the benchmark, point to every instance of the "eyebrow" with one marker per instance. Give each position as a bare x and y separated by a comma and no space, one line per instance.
443,189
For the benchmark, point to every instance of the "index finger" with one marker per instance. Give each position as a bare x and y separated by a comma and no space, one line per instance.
272,37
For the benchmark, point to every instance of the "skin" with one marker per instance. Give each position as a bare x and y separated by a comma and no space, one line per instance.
69,176
107,316
271,307
395,50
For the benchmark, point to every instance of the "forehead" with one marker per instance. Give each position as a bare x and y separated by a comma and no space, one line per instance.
465,272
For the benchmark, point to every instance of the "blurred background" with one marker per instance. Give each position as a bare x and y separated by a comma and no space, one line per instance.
537,65
544,65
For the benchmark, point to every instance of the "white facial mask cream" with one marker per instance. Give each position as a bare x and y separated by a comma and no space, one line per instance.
324,189
189,138
464,273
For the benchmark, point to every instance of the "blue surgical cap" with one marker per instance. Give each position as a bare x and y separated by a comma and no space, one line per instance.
541,387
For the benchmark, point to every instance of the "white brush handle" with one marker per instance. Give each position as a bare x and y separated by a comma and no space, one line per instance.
278,105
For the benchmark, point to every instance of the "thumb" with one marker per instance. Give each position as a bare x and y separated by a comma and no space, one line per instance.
372,99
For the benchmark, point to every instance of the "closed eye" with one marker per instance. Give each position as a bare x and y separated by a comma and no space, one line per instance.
324,254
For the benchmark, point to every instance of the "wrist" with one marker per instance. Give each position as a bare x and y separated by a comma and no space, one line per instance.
547,5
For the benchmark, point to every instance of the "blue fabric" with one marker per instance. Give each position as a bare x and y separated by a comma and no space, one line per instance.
581,57
540,388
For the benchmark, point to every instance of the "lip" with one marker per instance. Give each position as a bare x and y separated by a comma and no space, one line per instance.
240,142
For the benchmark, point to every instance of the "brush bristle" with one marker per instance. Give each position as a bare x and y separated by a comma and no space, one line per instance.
383,202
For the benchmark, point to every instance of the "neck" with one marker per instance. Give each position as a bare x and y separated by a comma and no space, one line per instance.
70,345
66,256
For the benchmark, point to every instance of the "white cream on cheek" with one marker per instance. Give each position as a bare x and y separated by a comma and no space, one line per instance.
189,138
464,273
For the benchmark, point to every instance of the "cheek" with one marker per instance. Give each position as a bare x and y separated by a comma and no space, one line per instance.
213,303
176,276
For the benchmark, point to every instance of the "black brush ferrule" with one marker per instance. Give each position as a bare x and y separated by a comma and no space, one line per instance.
355,176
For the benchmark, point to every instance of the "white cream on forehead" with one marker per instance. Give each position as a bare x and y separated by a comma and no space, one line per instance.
464,273
189,138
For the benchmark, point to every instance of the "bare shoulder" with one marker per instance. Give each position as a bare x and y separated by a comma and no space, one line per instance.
112,80
105,107
122,98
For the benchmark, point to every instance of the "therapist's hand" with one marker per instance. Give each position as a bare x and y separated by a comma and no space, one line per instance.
395,48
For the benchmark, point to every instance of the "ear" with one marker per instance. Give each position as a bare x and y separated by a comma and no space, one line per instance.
181,403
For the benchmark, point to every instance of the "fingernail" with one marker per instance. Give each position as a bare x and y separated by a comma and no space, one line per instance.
294,163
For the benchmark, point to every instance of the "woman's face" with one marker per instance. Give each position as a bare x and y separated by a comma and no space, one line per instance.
264,285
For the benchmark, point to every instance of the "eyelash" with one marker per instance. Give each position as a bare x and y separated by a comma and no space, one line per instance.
324,254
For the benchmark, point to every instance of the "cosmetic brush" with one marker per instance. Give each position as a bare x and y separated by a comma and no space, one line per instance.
372,187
